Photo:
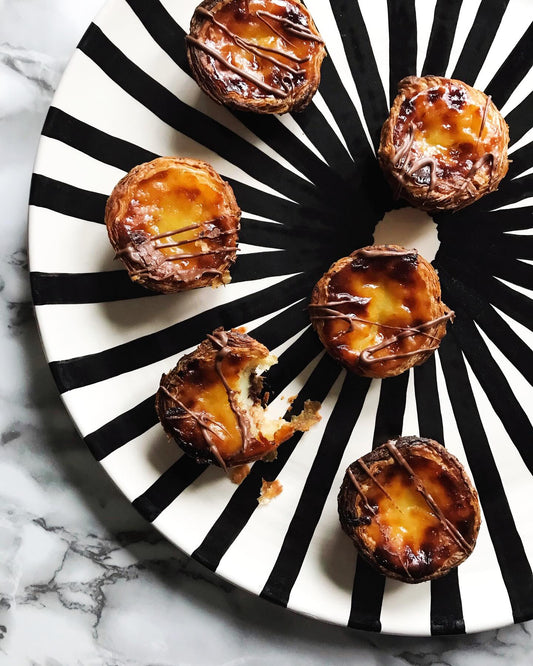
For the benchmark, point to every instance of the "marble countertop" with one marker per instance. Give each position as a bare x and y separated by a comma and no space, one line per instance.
83,579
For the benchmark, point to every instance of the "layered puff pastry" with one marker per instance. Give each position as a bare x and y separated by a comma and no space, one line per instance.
379,310
444,144
174,223
410,509
256,55
212,403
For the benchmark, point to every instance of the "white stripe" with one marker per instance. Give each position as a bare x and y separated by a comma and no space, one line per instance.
81,329
261,540
102,104
481,570
94,253
321,105
329,566
145,458
465,21
61,162
522,90
524,141
515,21
516,287
376,18
521,203
521,330
521,388
206,499
327,25
121,25
97,404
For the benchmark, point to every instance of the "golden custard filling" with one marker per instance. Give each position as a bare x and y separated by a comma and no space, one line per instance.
414,522
374,300
442,129
183,200
259,48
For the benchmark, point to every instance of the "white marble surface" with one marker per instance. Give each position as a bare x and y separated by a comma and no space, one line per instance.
83,579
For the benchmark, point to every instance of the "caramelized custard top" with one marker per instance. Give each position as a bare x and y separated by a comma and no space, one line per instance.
378,307
443,131
258,48
187,202
408,533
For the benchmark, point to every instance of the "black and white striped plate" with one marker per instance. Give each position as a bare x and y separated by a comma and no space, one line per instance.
311,192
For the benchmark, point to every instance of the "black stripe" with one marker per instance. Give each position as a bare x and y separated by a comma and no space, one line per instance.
122,429
493,381
491,290
522,161
77,372
125,155
442,36
496,329
77,288
323,137
168,486
189,121
343,110
243,503
171,38
67,199
402,42
362,63
513,70
513,562
315,492
519,120
479,40
369,585
101,146
446,607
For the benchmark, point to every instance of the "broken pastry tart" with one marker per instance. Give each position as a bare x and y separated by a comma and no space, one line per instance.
174,223
444,144
379,311
410,509
212,405
256,55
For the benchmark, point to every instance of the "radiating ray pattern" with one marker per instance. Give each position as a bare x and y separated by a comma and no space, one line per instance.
308,207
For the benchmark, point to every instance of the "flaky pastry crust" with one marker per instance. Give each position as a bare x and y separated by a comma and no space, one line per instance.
256,55
444,144
180,195
212,404
410,509
379,310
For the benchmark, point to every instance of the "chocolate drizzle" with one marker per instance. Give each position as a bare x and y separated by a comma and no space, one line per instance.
451,529
260,51
203,420
329,311
419,486
219,339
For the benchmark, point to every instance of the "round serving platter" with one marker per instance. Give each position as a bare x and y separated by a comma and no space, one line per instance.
311,192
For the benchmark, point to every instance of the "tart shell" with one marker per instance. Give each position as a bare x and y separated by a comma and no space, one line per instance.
210,81
444,545
146,264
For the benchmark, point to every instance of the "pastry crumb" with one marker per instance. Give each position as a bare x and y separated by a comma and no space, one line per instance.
238,474
269,490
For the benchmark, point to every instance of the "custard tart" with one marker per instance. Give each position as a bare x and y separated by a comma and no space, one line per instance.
256,55
174,223
379,310
212,403
410,509
444,144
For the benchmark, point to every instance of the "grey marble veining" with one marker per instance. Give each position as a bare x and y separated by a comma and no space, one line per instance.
83,579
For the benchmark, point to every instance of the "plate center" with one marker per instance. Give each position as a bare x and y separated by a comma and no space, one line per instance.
411,228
